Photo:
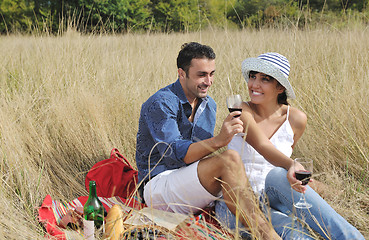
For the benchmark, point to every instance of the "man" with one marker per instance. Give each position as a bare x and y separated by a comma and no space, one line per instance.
175,139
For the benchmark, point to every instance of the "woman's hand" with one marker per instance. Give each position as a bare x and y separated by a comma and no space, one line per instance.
296,184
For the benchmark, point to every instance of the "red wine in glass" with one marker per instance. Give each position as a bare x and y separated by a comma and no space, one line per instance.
234,103
303,171
303,176
232,109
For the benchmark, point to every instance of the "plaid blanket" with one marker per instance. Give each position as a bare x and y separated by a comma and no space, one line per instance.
51,212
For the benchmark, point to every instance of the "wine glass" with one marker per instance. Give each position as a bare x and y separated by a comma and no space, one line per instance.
304,176
234,103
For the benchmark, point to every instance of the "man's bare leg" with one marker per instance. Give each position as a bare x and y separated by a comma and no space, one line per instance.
226,172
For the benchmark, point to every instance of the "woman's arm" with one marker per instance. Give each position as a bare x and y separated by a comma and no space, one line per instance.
259,141
298,120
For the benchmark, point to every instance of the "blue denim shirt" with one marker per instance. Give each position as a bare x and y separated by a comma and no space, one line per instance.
165,133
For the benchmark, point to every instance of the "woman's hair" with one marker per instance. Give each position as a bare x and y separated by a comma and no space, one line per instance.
282,97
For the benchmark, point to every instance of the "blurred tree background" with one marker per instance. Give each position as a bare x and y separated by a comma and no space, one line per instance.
106,16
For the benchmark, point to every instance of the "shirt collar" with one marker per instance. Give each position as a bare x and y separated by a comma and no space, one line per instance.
178,90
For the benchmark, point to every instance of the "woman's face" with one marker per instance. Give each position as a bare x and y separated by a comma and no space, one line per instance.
263,88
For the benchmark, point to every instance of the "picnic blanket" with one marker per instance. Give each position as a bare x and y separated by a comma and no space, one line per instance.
117,181
51,212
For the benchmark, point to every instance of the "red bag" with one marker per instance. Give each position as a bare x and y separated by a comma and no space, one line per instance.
114,176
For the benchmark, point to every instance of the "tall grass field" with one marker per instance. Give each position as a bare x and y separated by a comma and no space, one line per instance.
66,101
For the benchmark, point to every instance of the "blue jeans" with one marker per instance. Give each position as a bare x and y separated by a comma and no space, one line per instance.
321,217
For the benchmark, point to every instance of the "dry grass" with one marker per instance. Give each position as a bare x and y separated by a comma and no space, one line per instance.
67,101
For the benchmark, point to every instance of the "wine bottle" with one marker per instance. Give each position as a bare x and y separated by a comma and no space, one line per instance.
93,214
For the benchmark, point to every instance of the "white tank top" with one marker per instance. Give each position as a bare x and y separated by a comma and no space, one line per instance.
257,167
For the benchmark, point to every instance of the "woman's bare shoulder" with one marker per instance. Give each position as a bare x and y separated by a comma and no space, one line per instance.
246,107
297,118
247,113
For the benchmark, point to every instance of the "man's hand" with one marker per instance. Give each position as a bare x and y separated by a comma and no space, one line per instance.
231,126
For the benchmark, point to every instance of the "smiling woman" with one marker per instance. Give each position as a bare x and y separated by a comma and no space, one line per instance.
272,180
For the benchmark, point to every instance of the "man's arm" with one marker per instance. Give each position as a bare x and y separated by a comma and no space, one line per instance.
162,124
199,150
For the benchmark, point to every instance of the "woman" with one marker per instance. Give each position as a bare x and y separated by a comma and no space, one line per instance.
283,125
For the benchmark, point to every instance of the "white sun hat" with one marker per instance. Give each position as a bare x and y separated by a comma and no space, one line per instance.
272,64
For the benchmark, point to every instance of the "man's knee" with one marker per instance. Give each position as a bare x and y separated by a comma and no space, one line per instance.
226,163
231,163
231,157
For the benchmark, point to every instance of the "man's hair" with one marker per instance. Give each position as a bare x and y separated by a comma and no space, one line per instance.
193,50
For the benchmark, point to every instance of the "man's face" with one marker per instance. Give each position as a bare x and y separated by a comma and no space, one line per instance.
199,78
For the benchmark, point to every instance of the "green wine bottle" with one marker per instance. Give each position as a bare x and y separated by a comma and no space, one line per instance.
93,212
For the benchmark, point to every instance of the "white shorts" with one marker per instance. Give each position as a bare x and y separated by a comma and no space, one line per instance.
178,190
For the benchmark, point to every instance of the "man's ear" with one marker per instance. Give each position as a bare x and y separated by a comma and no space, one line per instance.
181,73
